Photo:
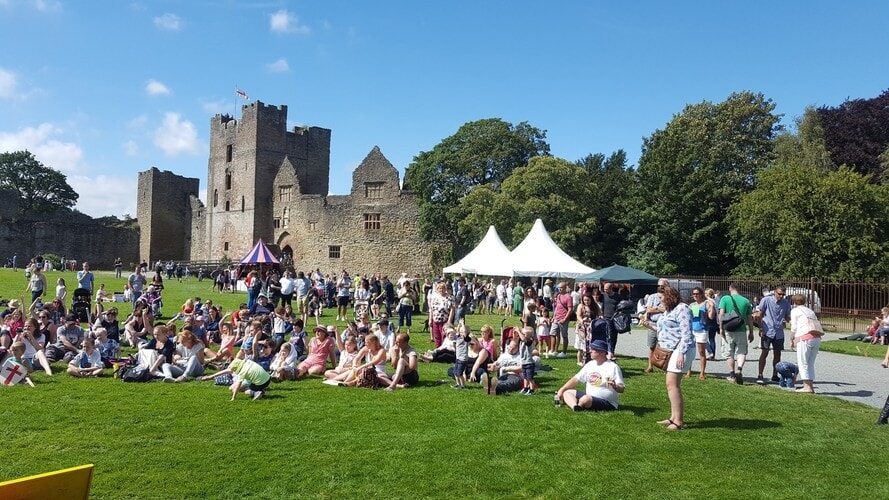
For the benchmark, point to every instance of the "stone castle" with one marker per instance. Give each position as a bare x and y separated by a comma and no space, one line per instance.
267,182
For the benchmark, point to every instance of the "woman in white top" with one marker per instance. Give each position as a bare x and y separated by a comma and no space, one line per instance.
807,333
188,359
373,354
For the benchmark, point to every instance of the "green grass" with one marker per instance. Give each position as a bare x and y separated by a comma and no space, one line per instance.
855,348
311,440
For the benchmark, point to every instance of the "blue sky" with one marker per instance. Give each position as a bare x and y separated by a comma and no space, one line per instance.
103,89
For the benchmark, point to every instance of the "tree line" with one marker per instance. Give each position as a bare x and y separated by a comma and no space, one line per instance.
722,188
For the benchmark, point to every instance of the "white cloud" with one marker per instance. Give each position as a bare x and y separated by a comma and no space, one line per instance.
154,87
176,136
138,122
285,22
53,153
130,148
104,195
279,66
49,6
169,22
8,83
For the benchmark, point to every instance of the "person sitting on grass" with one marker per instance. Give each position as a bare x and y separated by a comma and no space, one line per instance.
250,376
157,351
320,350
284,365
347,356
604,382
371,355
509,367
404,359
108,348
139,324
188,359
445,353
69,338
14,368
35,342
88,362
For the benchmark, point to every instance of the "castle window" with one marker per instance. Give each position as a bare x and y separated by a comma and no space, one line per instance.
242,203
285,220
373,190
228,153
312,224
284,193
215,197
277,223
333,251
372,221
226,206
225,246
228,180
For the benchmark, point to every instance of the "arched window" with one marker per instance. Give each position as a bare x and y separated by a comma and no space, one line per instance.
215,197
228,180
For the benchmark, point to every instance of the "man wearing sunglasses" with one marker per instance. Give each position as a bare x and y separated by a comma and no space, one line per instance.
772,312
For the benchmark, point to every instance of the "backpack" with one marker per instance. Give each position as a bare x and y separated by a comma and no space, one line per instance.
134,374
621,322
368,378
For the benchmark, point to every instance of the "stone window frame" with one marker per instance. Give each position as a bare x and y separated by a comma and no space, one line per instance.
313,225
373,190
335,252
285,193
372,221
228,153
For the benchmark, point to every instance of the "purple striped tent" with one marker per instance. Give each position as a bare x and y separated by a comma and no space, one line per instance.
259,257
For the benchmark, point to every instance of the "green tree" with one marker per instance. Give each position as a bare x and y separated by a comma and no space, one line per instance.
802,221
612,177
552,189
40,189
805,145
483,152
689,173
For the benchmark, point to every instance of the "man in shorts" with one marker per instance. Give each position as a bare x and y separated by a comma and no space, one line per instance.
736,340
343,286
604,382
563,305
772,312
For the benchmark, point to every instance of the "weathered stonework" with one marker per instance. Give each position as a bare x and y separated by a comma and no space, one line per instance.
270,183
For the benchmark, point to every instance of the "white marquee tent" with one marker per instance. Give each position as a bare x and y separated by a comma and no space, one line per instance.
538,255
489,258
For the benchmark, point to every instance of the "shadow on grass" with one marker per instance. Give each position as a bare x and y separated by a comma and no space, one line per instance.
639,411
734,423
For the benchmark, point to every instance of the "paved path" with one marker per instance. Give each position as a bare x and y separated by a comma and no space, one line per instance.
854,378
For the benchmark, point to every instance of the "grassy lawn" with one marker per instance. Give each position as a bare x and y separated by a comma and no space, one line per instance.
854,348
311,440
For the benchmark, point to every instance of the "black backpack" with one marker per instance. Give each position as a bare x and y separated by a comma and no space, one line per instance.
134,374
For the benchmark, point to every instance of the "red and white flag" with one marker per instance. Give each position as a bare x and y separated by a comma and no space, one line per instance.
241,93
12,372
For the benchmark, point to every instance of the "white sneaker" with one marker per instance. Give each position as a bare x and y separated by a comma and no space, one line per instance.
562,355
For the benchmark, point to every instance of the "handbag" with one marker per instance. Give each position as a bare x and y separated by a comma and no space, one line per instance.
732,321
660,357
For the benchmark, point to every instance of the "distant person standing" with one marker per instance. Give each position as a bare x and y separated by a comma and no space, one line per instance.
137,282
118,267
36,284
85,278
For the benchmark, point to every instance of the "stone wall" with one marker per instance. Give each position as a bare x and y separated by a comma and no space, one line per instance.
164,212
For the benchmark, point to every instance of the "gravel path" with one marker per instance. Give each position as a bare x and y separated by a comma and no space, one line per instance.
854,378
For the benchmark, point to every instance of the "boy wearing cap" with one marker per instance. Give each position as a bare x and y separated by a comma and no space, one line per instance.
604,382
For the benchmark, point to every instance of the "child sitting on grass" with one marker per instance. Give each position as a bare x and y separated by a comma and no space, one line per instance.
88,362
15,369
284,364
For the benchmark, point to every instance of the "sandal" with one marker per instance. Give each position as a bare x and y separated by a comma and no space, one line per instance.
673,426
665,422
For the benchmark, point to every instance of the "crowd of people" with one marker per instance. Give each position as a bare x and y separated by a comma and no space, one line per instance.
266,338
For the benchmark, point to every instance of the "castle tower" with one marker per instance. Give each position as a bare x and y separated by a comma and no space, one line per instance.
245,158
164,210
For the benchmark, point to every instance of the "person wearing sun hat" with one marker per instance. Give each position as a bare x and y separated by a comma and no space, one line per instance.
604,382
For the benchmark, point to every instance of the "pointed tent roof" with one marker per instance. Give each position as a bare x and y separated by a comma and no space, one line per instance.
621,274
260,254
489,258
538,255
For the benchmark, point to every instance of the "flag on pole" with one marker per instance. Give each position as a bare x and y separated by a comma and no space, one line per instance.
241,93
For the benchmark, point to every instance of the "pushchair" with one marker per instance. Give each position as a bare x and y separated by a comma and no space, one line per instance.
80,306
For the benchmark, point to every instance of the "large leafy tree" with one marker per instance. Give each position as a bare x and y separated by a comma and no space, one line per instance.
856,133
806,221
40,189
689,173
483,152
613,180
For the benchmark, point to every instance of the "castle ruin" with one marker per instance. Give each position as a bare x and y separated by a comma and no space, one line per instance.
267,182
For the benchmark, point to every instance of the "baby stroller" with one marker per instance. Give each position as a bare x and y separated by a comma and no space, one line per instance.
81,305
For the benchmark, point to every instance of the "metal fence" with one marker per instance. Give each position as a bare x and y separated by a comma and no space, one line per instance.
842,306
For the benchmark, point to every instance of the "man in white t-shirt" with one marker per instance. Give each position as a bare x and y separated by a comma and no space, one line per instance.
604,381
